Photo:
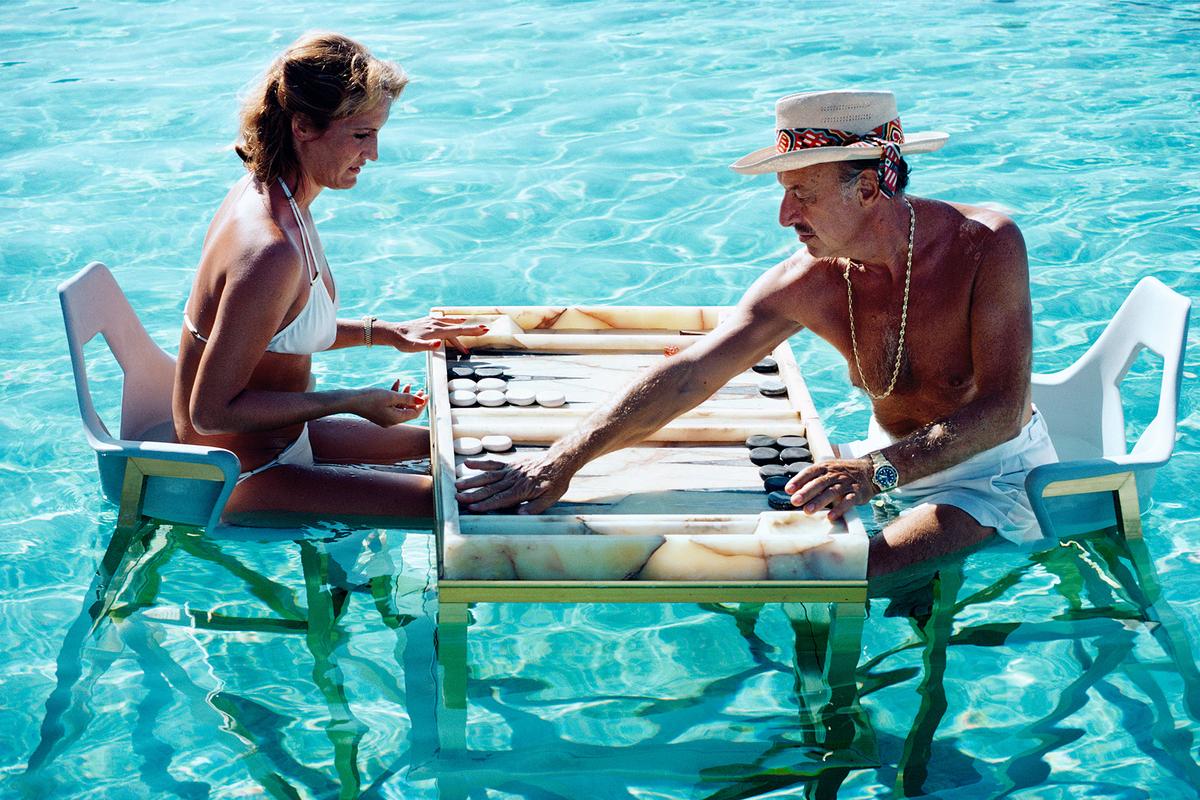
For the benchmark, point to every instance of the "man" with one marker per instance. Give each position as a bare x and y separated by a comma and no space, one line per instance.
928,302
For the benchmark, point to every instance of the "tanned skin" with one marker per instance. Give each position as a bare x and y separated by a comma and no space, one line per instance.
253,280
964,381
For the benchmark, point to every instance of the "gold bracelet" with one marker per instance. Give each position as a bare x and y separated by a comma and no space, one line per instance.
368,321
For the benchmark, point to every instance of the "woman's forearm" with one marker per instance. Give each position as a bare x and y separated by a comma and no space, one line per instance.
255,410
351,333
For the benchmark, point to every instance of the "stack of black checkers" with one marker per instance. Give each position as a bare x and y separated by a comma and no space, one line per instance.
770,387
768,366
778,459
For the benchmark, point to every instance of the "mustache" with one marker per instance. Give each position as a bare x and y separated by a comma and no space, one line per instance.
802,231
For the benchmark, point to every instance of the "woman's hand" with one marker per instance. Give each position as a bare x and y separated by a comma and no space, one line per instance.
425,333
387,407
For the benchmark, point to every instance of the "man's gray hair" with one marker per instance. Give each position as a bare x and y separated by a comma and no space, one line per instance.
850,170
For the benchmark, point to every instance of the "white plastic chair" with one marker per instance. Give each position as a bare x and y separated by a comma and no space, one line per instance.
1097,477
144,471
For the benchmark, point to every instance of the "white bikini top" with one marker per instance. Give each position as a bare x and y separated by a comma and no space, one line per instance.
315,327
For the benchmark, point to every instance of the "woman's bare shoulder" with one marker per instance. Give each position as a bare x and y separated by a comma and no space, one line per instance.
246,241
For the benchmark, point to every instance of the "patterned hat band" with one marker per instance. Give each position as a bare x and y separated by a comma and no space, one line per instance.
888,136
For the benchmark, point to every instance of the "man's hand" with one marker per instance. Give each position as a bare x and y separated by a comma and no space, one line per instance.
838,485
425,333
536,480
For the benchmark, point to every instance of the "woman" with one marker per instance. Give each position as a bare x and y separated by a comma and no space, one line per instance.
264,300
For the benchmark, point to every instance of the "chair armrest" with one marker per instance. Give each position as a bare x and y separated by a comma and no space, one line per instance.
1042,476
1064,376
218,457
170,460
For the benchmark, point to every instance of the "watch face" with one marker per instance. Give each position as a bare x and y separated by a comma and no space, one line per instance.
886,477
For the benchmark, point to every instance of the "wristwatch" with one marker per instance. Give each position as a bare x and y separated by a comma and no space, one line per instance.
885,477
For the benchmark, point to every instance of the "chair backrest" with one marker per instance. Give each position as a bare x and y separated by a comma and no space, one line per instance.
92,304
1082,404
143,470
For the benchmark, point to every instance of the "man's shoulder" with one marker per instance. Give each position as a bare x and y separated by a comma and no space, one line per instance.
981,219
973,233
801,267
794,287
986,239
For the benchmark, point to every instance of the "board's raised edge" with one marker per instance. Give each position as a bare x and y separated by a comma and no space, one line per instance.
580,342
468,591
582,524
818,438
597,318
441,455
789,372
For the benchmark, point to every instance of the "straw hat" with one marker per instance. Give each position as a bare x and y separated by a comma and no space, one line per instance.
819,127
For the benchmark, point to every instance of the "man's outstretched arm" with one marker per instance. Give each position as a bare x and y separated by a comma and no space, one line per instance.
673,387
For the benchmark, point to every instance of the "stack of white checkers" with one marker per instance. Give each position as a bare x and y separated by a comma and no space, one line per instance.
492,392
470,446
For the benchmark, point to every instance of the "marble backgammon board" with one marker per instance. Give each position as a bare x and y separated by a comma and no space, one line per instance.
686,505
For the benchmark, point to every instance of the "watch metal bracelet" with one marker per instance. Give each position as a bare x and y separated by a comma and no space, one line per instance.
884,475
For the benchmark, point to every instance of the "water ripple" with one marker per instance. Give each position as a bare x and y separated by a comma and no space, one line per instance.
576,153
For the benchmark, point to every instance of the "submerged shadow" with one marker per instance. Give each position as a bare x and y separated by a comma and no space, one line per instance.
819,742
1111,598
1112,593
126,608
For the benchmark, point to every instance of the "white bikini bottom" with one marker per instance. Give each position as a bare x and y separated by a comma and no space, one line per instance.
299,452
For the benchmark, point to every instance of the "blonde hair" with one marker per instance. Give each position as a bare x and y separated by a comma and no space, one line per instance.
322,77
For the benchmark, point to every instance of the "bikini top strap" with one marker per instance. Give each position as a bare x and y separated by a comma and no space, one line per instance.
191,326
305,237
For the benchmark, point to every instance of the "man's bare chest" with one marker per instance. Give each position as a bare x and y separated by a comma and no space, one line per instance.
934,325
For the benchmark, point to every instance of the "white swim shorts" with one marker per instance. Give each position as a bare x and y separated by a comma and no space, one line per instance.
990,486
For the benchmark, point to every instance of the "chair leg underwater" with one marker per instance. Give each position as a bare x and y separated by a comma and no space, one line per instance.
913,768
828,648
1129,513
847,728
133,493
452,664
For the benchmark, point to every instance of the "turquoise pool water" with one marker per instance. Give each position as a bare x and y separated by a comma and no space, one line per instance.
560,153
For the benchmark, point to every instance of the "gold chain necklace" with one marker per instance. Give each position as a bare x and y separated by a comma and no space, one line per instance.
912,230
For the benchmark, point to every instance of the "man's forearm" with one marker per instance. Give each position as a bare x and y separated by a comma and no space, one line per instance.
658,397
977,426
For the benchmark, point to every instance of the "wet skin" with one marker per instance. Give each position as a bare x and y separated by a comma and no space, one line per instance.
938,370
